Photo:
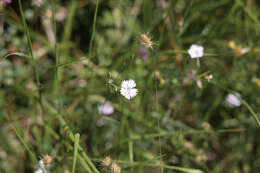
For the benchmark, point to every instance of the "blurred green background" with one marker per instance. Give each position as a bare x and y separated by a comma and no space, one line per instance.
83,50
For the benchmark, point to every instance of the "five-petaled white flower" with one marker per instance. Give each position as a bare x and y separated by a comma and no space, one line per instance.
106,108
128,89
196,51
232,100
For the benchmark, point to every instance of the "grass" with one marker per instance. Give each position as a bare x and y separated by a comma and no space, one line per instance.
61,60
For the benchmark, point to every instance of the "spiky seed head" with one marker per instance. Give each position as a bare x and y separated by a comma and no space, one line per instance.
47,159
115,168
145,41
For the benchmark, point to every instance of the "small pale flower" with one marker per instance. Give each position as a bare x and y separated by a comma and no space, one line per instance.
196,51
128,89
44,165
8,1
42,168
106,108
37,3
244,50
232,100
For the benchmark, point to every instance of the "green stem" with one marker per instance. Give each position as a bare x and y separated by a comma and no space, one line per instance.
31,51
76,146
93,28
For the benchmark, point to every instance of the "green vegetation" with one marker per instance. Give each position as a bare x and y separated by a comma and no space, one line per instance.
63,108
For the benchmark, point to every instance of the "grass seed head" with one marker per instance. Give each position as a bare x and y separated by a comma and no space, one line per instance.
145,41
47,160
115,168
107,161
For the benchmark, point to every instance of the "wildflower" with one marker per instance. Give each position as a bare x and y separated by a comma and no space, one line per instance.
240,51
196,51
37,3
238,48
44,164
143,52
3,2
232,100
61,14
128,89
106,108
41,168
145,41
115,168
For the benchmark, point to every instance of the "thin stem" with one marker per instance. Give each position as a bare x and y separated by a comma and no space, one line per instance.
70,134
76,146
157,107
57,61
93,27
31,52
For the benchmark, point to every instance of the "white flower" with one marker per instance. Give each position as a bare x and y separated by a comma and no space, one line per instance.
232,100
196,51
42,168
128,89
106,108
244,50
37,3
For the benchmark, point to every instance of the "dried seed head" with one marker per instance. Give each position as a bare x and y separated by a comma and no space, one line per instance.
115,168
47,159
106,161
209,77
145,41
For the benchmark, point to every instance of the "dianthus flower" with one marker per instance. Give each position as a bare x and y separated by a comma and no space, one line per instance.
196,51
128,89
232,100
106,108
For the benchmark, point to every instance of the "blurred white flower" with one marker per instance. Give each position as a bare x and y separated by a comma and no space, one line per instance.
106,108
232,100
44,164
42,168
61,14
37,3
196,51
128,89
244,50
